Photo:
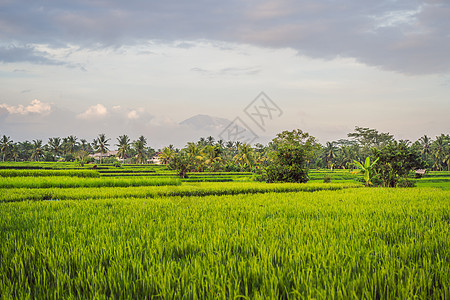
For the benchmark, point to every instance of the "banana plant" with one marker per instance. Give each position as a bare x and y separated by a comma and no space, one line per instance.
366,169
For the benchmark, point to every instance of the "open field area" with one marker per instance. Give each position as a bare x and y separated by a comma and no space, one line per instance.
141,232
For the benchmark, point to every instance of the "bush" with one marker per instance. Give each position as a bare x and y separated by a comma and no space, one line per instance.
293,149
376,181
405,183
327,179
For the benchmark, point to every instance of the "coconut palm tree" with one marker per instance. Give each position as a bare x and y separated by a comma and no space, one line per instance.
211,155
193,152
55,146
124,146
139,147
15,151
202,142
438,148
101,145
221,143
447,159
245,156
167,154
70,144
38,152
85,146
330,153
237,144
5,144
210,140
425,142
347,156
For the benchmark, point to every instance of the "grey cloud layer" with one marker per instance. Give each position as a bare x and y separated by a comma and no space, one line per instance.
406,36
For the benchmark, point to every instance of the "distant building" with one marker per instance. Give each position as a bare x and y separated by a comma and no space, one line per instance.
155,159
97,156
421,172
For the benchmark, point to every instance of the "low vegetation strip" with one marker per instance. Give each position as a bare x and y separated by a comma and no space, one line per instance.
186,189
344,244
42,172
74,182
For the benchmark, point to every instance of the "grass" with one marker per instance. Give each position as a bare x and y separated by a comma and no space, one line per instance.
140,232
350,243
43,172
184,190
74,182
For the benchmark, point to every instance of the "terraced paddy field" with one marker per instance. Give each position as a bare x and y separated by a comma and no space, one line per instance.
220,240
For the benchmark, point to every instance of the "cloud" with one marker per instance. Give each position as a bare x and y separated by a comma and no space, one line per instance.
36,107
133,115
94,112
228,71
12,54
405,36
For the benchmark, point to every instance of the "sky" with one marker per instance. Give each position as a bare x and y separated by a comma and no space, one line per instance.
141,67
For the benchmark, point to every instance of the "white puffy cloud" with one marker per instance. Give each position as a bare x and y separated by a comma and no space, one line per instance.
94,112
35,107
133,115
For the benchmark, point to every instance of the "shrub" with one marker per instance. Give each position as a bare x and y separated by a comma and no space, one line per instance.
293,150
327,179
405,183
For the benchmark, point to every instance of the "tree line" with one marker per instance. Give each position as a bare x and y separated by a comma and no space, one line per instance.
73,149
207,154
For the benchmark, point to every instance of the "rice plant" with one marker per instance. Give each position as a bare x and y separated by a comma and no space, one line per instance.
345,244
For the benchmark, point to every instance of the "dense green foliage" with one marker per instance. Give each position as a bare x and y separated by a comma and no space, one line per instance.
292,151
367,169
395,161
227,156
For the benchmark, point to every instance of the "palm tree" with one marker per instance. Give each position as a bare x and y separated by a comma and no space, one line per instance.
85,146
55,146
124,146
425,142
139,147
347,156
5,144
101,145
211,155
192,149
221,143
70,144
236,146
15,151
37,150
167,154
210,140
447,159
245,156
194,153
438,151
330,153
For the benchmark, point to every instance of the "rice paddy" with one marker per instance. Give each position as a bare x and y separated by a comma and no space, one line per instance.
68,236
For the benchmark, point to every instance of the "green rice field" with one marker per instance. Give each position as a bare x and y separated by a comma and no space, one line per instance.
118,233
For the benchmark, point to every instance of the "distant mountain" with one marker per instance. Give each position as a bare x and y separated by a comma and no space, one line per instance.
221,128
205,122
